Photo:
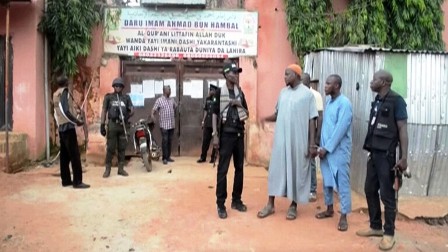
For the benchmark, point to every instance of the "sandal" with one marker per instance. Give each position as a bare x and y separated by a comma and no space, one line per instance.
324,214
265,212
292,213
343,225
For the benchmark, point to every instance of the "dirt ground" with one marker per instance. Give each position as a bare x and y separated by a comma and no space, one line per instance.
173,209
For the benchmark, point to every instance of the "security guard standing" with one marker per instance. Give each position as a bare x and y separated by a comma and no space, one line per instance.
387,130
66,119
232,112
207,127
119,109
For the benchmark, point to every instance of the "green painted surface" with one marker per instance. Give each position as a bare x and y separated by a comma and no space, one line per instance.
396,64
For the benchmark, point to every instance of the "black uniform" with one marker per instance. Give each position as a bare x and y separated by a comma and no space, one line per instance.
116,137
381,141
231,143
209,107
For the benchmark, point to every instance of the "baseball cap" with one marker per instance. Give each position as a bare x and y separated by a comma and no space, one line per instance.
118,82
231,67
213,87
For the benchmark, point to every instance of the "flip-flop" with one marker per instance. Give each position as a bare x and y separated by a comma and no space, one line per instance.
265,212
324,214
292,213
343,225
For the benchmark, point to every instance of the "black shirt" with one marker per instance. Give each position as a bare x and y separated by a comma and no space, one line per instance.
209,107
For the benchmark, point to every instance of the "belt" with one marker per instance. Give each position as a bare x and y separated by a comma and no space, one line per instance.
117,121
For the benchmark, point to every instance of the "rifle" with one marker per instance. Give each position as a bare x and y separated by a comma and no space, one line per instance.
122,118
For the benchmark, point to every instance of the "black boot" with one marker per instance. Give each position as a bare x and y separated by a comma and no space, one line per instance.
106,173
121,170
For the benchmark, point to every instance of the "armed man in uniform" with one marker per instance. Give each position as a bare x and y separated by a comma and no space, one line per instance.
232,113
207,127
119,109
387,130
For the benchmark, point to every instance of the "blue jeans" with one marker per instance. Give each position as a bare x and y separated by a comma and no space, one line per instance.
313,188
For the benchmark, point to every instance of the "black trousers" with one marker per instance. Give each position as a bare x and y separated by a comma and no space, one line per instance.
230,144
167,139
70,154
380,176
206,139
116,140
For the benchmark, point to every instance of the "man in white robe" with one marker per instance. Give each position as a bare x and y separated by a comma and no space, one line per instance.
289,168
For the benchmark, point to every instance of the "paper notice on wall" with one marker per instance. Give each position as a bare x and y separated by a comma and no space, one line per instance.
186,87
222,82
136,88
158,87
138,100
197,89
148,89
172,84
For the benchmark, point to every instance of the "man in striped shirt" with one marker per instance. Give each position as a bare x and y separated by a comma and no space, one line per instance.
165,106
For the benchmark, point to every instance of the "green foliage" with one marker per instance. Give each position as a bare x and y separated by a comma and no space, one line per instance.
68,26
417,26
309,28
403,24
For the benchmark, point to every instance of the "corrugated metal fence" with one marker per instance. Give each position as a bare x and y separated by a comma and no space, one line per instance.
427,99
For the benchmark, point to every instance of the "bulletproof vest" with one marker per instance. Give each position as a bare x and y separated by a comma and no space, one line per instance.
113,107
59,116
383,132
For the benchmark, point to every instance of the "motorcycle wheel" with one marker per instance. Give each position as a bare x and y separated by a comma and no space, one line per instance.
147,161
144,150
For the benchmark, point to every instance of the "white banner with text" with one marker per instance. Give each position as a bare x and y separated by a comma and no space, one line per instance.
180,33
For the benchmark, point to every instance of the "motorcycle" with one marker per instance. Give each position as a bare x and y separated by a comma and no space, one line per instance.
145,144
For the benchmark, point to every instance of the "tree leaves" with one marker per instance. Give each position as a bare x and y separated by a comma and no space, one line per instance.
68,26
403,24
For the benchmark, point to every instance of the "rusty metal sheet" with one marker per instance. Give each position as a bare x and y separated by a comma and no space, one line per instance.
427,108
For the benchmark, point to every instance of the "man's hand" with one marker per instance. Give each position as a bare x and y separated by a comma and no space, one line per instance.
202,125
322,152
312,152
216,142
103,129
402,164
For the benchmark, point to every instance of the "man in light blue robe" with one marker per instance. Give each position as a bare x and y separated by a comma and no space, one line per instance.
335,150
294,144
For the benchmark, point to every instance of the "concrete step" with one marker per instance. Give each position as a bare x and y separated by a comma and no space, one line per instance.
18,150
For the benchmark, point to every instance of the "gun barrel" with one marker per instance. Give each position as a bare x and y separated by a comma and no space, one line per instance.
122,118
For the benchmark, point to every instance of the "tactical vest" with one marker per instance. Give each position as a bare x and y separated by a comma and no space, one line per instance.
113,106
383,134
59,115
